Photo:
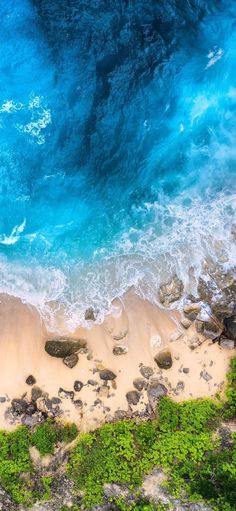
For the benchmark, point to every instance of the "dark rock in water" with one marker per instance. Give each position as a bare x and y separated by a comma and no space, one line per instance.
191,310
62,347
68,394
139,383
106,375
230,327
78,385
2,399
156,390
205,375
229,344
90,314
164,359
133,397
78,403
120,350
146,372
171,291
30,380
71,360
19,406
36,392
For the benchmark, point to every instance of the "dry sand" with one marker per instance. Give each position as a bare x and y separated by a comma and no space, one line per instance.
145,330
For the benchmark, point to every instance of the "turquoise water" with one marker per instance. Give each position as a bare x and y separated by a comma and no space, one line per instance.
117,147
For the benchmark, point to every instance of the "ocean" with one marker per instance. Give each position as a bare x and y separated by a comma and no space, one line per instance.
117,148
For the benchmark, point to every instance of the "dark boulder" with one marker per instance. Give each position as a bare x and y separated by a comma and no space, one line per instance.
78,403
133,397
156,390
139,383
71,360
230,327
36,392
62,347
107,375
146,372
30,380
90,314
78,385
164,359
226,343
19,406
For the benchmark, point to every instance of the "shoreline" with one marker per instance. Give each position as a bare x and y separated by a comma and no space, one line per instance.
138,326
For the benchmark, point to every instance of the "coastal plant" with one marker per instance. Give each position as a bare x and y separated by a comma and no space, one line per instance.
230,407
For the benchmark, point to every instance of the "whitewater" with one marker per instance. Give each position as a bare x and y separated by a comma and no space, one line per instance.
117,149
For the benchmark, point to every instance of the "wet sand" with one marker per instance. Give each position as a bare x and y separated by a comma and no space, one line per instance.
143,328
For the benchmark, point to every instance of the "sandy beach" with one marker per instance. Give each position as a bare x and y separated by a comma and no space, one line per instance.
135,324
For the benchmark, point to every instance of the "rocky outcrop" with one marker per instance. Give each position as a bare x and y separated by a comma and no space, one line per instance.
171,291
62,347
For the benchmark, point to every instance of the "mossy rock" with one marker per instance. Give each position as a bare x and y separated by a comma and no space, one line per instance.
62,347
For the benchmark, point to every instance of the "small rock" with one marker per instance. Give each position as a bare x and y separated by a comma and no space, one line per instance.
62,347
192,310
186,323
31,409
56,400
30,380
230,326
78,403
19,406
156,390
36,392
103,391
68,394
29,420
227,343
164,359
120,336
180,386
90,314
133,397
186,370
78,385
199,325
171,291
139,383
2,399
205,375
106,374
92,382
146,372
120,414
120,350
71,360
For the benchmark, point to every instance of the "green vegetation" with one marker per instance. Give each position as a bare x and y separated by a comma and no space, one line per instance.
182,441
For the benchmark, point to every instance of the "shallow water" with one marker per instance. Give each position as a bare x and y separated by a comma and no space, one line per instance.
117,138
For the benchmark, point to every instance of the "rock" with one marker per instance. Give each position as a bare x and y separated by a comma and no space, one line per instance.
120,414
30,380
133,397
156,390
120,350
222,310
191,310
205,375
2,399
199,325
229,344
31,409
78,385
186,370
146,372
212,329
71,360
120,336
19,406
36,392
55,400
68,394
180,386
62,347
92,382
90,314
78,403
186,323
171,291
139,383
106,374
30,421
230,326
164,359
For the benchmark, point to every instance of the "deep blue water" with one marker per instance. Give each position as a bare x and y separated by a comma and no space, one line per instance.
117,146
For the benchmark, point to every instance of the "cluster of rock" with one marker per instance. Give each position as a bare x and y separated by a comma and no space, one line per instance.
66,348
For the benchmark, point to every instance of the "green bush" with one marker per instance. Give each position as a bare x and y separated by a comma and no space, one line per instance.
67,433
230,408
45,437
